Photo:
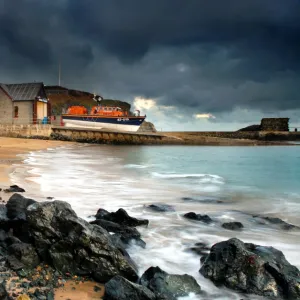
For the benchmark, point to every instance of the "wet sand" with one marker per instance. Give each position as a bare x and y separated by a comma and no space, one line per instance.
11,151
10,148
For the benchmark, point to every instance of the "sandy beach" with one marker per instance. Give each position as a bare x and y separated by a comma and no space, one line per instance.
11,147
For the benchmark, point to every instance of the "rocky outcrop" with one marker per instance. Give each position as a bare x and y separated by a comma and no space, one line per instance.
147,127
233,225
118,288
276,222
60,245
121,217
160,207
73,245
101,213
200,248
169,286
14,189
252,269
17,205
197,217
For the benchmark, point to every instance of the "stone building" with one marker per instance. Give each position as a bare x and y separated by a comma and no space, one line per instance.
274,124
24,103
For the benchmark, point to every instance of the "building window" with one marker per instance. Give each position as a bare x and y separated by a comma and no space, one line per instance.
16,111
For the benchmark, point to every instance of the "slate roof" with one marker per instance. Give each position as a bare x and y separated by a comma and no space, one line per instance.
5,89
23,91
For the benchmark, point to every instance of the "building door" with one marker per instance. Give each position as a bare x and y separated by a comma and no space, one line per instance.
41,110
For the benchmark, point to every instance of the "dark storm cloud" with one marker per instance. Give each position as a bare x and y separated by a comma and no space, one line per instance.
205,56
131,28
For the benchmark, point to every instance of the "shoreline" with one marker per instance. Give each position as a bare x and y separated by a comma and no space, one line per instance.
71,290
12,151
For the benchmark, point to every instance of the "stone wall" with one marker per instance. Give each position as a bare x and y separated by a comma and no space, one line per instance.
6,108
105,137
274,124
237,135
27,131
25,112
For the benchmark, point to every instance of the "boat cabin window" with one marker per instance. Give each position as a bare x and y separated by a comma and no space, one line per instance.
105,108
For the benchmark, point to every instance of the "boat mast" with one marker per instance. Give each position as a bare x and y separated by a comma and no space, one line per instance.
59,70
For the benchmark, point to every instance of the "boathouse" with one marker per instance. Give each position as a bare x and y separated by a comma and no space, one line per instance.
24,103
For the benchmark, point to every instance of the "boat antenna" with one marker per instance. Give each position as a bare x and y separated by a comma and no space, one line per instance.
97,98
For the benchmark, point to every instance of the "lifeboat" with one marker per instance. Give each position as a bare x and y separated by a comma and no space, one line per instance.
102,117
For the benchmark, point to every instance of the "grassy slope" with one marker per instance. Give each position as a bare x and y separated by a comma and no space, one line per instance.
60,101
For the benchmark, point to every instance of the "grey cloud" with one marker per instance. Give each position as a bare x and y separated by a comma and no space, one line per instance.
201,56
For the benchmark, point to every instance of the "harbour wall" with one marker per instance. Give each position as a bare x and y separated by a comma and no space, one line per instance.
161,138
106,136
28,131
222,138
239,135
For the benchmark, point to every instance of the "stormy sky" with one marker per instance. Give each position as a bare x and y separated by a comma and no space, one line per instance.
189,65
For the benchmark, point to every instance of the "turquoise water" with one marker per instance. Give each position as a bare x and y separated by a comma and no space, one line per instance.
269,169
227,183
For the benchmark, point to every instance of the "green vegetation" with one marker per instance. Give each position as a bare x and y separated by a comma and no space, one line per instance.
61,98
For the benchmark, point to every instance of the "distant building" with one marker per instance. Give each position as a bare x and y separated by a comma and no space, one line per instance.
274,124
24,103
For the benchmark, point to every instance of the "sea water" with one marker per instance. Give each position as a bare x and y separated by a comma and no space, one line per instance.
227,183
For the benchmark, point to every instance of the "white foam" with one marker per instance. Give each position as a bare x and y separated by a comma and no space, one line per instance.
135,166
88,181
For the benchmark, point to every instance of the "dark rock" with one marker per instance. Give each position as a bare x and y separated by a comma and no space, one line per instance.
14,263
50,198
3,291
210,200
276,221
160,207
197,217
97,288
101,213
3,214
124,234
200,248
14,189
15,219
124,240
169,286
121,217
252,269
203,258
233,225
25,253
73,245
116,228
50,296
17,205
119,288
